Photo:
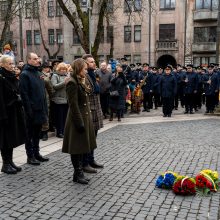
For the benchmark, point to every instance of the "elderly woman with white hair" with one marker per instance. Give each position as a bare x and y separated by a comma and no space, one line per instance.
12,125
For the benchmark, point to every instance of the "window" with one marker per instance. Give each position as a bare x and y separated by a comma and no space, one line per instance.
50,8
137,58
28,8
29,37
207,4
167,32
109,6
128,5
127,33
197,61
59,11
59,36
75,37
37,38
205,34
51,37
137,5
109,34
35,9
167,4
83,3
3,9
137,33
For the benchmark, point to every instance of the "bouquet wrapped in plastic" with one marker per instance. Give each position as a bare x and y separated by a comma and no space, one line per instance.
166,180
207,181
184,185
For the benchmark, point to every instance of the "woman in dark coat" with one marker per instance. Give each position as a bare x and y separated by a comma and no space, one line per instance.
118,83
12,126
79,135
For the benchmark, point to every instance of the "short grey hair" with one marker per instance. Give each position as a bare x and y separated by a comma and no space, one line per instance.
4,59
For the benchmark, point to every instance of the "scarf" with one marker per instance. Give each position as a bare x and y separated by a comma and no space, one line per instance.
95,85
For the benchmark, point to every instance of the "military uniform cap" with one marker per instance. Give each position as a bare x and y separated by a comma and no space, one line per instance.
154,68
211,65
168,67
132,65
138,64
145,64
124,59
189,65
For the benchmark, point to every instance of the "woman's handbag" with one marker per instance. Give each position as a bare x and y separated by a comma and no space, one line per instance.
114,93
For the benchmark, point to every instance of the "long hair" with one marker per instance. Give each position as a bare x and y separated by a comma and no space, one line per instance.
77,66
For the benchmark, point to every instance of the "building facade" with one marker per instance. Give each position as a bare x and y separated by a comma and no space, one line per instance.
152,31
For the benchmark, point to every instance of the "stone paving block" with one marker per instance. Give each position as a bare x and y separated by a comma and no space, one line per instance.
133,155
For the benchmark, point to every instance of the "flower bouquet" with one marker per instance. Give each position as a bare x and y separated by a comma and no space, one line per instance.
206,182
166,180
184,185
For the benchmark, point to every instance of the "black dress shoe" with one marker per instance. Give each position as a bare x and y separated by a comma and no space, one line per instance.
60,136
191,112
169,115
18,169
94,164
7,168
33,161
164,116
44,137
41,158
89,169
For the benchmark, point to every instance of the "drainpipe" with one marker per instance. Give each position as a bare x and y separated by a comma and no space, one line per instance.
185,23
218,34
149,31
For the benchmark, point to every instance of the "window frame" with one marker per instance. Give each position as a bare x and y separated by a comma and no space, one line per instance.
51,34
29,40
110,33
76,40
127,31
59,36
165,7
50,9
137,31
37,33
169,31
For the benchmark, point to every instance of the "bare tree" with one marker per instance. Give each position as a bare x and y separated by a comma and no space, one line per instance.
10,12
51,55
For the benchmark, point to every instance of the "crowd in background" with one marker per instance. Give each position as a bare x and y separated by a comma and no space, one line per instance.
38,92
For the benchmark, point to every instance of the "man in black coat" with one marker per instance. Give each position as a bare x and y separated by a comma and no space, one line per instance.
34,99
12,123
168,91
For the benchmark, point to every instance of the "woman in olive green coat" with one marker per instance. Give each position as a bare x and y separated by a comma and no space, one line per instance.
79,135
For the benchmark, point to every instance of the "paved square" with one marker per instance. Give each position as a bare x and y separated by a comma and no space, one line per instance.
133,155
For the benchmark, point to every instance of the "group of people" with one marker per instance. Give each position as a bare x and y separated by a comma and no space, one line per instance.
74,99
25,108
146,86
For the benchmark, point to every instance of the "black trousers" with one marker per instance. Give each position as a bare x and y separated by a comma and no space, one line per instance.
104,100
189,99
33,138
167,105
6,154
156,100
210,102
89,157
147,102
60,113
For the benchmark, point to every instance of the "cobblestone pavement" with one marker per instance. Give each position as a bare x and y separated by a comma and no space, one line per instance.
133,155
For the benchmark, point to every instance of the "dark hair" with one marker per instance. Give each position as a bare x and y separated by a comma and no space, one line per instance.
86,56
77,66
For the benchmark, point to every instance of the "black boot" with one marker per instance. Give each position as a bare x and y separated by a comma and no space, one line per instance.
78,175
6,167
18,169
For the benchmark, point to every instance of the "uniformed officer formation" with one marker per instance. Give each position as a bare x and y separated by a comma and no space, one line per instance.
189,86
